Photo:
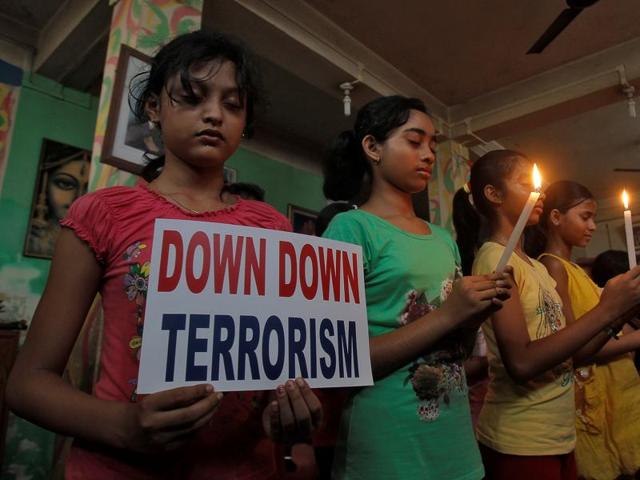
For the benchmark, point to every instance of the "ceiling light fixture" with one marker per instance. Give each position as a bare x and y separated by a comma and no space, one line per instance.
346,88
628,90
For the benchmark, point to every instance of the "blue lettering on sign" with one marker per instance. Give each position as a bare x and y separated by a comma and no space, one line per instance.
172,322
296,347
347,349
247,347
328,363
332,347
273,325
196,373
313,348
221,348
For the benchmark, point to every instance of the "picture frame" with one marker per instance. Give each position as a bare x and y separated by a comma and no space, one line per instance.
302,219
127,139
63,176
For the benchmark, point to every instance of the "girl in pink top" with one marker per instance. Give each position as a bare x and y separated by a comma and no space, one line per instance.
199,94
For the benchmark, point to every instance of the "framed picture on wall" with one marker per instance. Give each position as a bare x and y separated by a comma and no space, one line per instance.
63,175
302,220
127,139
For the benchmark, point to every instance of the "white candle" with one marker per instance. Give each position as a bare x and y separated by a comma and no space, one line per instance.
628,230
522,221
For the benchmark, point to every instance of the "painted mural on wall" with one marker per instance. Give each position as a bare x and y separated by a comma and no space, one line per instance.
8,102
63,176
451,173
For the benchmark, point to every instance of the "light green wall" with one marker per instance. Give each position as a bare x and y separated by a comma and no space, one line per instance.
283,183
45,110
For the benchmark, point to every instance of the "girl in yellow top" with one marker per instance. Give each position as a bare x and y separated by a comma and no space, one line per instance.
607,391
526,427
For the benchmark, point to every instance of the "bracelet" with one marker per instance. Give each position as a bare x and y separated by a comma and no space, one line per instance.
613,333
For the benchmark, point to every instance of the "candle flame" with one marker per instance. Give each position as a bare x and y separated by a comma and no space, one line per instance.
537,178
625,199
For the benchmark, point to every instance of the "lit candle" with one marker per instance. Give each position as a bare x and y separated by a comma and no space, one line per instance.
628,230
522,221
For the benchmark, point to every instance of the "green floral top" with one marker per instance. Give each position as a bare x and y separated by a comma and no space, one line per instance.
415,422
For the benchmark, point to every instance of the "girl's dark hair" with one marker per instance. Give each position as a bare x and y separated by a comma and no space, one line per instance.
609,264
327,213
346,168
561,196
470,220
463,222
245,190
177,57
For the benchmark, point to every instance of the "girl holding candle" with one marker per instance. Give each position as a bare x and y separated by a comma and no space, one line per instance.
607,391
526,427
422,315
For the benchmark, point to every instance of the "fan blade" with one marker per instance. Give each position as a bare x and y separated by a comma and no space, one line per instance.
626,169
558,25
581,3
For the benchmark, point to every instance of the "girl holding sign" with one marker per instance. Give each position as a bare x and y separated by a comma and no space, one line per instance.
423,317
607,390
527,424
200,94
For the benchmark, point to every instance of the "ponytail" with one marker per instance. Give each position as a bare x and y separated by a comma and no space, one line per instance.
472,220
468,223
345,168
534,240
152,168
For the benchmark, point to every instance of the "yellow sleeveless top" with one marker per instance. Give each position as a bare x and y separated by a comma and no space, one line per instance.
536,417
607,395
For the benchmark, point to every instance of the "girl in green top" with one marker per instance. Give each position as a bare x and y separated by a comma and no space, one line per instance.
414,422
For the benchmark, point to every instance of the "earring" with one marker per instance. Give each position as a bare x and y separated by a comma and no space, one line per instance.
376,162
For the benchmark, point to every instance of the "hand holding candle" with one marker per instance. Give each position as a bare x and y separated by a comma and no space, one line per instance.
522,221
628,230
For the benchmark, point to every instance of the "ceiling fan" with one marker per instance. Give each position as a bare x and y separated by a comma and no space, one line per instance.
574,7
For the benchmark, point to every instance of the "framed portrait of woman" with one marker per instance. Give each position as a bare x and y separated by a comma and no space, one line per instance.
128,140
63,176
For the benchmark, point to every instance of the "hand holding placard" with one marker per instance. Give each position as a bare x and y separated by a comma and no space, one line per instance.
294,414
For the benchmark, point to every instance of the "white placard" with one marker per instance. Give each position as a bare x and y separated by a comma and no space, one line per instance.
246,308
